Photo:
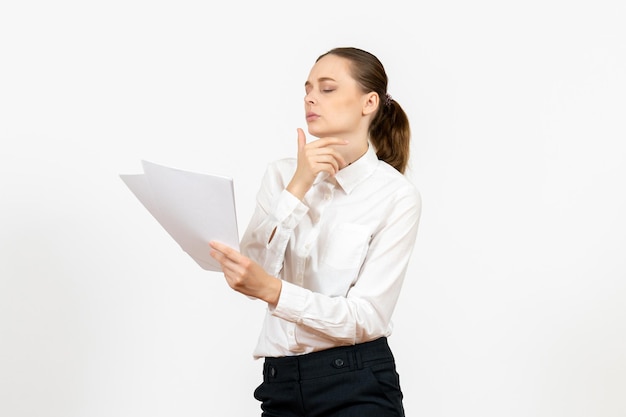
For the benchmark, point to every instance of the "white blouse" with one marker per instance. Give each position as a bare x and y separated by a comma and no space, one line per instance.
342,254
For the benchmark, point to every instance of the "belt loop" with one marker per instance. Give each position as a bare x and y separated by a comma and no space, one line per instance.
358,360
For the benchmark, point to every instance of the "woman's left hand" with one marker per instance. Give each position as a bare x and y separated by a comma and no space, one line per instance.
244,275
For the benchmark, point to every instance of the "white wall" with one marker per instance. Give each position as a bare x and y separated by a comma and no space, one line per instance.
515,302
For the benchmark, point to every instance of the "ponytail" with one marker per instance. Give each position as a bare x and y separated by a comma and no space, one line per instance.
390,134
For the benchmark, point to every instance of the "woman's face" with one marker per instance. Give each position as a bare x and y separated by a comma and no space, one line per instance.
334,102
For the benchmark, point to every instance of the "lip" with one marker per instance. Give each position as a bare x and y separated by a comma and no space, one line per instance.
310,116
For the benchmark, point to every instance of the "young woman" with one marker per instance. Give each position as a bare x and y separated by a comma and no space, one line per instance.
328,247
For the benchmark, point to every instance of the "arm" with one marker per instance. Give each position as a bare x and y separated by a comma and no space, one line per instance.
279,206
278,211
365,311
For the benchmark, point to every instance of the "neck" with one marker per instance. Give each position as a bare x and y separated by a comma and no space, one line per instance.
355,154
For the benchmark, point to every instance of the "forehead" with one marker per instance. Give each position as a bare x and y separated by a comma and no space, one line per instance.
330,66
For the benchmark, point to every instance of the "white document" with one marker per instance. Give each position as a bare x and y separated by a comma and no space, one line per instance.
193,208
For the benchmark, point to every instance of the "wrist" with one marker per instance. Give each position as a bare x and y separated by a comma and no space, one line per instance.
297,190
274,288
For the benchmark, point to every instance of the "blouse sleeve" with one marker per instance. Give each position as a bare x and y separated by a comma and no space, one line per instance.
365,312
276,214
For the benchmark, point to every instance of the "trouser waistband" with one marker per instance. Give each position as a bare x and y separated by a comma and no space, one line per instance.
327,362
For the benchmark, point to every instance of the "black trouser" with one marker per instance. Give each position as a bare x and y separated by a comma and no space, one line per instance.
346,381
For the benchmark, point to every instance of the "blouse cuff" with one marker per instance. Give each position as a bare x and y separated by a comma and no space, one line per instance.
290,303
289,210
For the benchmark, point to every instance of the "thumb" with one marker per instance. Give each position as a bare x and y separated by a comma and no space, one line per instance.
301,139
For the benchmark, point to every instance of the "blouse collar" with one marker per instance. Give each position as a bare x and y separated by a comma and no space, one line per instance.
351,176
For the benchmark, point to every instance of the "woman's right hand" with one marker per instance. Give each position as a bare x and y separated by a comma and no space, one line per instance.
313,158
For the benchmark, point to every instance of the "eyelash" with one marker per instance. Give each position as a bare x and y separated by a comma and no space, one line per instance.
323,90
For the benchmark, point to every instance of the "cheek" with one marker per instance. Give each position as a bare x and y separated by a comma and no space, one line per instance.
347,108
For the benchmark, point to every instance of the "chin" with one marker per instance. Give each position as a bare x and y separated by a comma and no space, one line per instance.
318,132
315,132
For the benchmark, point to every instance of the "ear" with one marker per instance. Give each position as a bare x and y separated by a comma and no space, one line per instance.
370,103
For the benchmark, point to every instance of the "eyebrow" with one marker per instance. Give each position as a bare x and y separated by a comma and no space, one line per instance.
322,79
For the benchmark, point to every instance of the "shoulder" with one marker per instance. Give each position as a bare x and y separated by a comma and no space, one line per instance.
396,179
397,189
281,167
283,164
280,171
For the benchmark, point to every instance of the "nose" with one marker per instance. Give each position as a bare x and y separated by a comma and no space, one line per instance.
309,98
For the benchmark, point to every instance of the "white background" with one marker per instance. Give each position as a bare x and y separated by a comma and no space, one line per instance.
515,300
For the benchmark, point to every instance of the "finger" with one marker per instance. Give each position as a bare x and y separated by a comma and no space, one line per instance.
228,271
224,249
341,161
228,266
323,142
218,246
328,155
301,139
217,255
331,164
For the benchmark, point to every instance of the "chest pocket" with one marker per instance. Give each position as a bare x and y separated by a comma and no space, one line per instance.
346,246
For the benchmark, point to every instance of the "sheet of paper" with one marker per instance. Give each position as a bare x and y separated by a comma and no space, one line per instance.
194,208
